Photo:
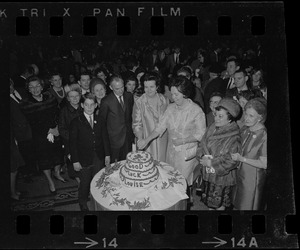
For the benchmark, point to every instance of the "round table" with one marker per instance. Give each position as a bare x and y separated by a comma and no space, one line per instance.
108,193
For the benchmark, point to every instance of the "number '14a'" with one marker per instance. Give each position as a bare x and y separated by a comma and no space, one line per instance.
242,242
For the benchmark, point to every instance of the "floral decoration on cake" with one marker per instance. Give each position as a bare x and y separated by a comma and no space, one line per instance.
139,167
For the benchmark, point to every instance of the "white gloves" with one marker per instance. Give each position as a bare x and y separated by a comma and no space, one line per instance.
50,137
51,133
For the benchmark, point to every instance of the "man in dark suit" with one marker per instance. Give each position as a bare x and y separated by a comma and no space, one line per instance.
240,80
20,81
214,55
89,146
116,111
232,65
241,88
215,84
174,60
131,65
151,60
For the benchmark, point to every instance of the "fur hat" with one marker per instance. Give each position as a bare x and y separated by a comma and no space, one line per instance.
231,105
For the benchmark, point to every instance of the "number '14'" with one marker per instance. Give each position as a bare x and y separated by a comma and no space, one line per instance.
242,243
112,243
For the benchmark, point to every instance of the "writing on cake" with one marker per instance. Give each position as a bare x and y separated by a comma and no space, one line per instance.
139,170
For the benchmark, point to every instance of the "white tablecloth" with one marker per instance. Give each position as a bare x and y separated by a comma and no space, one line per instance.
169,193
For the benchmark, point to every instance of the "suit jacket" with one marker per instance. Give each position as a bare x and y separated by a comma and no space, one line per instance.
198,98
161,65
118,121
170,64
234,92
22,92
19,82
125,75
226,81
149,62
20,86
85,140
20,125
213,57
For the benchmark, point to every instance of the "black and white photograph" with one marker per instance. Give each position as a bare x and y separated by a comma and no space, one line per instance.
147,125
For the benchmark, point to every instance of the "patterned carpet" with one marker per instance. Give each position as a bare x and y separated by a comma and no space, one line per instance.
38,198
48,202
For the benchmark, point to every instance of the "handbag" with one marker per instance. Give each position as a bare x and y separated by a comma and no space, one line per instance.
199,185
190,153
198,179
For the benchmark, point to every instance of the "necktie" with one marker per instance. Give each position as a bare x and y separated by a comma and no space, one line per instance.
91,121
230,82
122,103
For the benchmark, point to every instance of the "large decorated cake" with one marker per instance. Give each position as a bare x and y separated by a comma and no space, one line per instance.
139,183
139,170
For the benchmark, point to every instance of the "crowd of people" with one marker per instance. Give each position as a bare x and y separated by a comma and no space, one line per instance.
202,111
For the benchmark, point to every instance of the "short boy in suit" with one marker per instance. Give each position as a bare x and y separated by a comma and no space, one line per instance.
89,146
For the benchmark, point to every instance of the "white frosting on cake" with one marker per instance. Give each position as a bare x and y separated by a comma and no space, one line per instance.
139,170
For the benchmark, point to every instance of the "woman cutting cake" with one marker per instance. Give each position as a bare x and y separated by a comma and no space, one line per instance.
146,113
185,123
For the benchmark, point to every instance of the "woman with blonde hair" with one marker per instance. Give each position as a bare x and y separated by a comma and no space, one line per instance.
251,174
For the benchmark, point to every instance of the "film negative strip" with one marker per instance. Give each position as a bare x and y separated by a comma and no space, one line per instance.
99,37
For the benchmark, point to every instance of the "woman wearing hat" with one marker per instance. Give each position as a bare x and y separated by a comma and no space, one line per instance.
251,173
218,170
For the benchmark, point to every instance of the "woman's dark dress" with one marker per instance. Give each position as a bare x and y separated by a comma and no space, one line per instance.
42,116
